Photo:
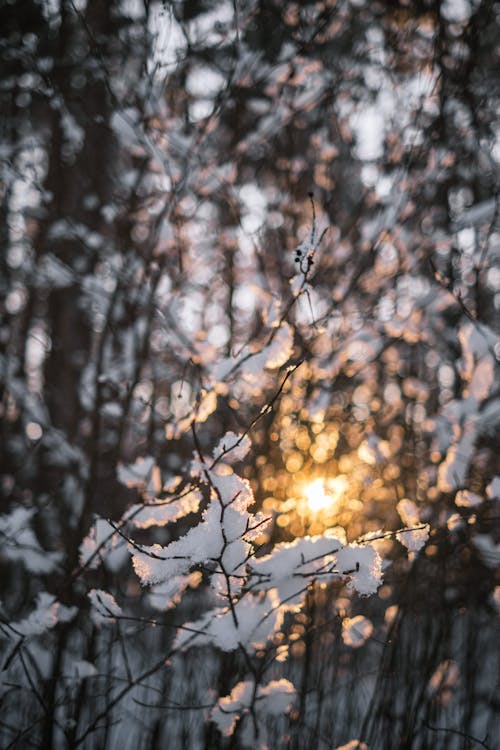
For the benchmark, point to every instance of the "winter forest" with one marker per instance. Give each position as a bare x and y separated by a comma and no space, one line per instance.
249,383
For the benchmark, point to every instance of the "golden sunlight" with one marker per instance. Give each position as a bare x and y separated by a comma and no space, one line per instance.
324,495
317,497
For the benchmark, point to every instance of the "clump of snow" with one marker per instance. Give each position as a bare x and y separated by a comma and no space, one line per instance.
493,489
455,522
467,499
204,405
489,552
20,544
161,512
363,565
408,512
80,669
414,539
103,543
444,679
104,608
495,598
273,699
233,447
202,544
142,475
230,708
356,631
453,471
252,364
373,450
251,622
166,595
47,613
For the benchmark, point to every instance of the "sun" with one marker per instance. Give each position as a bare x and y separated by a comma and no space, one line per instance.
325,495
317,497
